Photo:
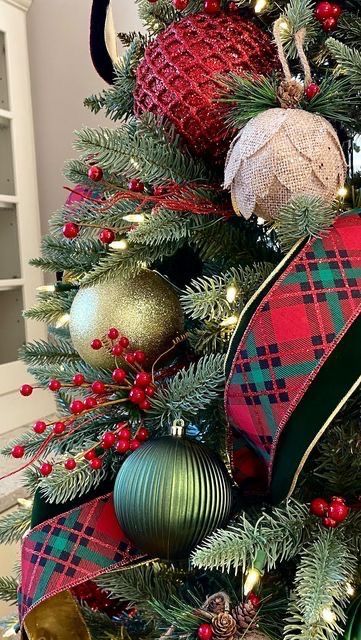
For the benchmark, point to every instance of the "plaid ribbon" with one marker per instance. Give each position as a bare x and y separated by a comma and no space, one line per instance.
292,333
70,549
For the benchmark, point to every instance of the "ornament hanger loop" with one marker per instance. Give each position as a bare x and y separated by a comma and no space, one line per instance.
299,38
177,428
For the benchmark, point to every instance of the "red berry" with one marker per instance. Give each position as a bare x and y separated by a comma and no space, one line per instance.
152,1
59,428
113,333
106,236
95,173
142,434
254,599
149,391
124,342
122,446
77,406
119,375
336,11
145,405
139,356
136,395
70,464
90,402
96,344
134,444
117,350
54,385
46,469
78,379
323,11
232,7
18,451
205,631
39,426
125,433
143,379
318,507
212,7
312,90
98,387
160,190
329,24
96,463
90,455
338,511
136,185
26,390
70,230
108,440
180,5
329,523
130,358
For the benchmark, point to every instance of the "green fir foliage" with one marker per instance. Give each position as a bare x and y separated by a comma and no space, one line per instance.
8,590
14,524
348,59
303,217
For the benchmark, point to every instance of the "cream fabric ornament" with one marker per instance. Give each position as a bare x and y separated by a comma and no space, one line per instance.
284,152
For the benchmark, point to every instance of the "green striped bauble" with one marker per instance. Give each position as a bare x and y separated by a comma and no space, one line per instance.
171,493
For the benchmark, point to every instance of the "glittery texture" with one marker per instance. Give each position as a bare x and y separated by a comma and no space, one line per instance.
177,77
145,309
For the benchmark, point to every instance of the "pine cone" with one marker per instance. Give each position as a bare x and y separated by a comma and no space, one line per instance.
216,604
290,94
224,626
245,615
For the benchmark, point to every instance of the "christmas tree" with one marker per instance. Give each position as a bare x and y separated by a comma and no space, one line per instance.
202,476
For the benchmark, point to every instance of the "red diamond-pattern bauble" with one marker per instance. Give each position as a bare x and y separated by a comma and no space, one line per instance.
177,76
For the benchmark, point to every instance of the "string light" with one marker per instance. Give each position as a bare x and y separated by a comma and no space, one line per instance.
283,25
252,579
328,615
119,245
46,288
231,293
350,590
229,322
134,217
342,192
63,320
260,6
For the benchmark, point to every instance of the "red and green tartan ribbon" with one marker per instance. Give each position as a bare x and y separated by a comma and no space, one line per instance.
290,336
72,548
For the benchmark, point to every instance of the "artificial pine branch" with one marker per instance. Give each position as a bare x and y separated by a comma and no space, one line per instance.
62,485
75,257
41,352
305,216
325,568
141,148
299,14
8,590
348,59
207,297
349,29
248,97
156,16
13,525
280,534
51,306
190,390
210,337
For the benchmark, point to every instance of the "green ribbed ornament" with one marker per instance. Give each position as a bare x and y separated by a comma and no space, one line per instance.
171,493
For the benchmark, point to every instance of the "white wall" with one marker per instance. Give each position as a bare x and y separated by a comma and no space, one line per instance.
62,75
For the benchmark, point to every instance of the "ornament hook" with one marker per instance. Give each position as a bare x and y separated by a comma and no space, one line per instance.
177,428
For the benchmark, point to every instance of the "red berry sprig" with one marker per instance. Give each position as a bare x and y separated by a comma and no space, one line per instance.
136,185
212,7
205,631
312,90
180,5
332,513
95,173
254,599
328,14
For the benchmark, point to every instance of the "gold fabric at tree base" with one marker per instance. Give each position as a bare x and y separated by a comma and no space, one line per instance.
57,618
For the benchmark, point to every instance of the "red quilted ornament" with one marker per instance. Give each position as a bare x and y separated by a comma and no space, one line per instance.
177,76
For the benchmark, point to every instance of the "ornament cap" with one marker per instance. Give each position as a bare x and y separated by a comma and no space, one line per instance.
177,429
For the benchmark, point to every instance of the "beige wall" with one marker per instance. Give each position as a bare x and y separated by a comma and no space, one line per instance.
62,75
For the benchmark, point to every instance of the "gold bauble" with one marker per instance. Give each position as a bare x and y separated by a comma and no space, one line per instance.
144,308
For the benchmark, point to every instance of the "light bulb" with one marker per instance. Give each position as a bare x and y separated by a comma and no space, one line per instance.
283,25
328,615
252,579
46,288
260,6
229,322
342,192
231,293
134,217
119,245
350,590
63,320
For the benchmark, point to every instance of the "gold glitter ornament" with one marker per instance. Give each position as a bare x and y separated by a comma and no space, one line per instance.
145,309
